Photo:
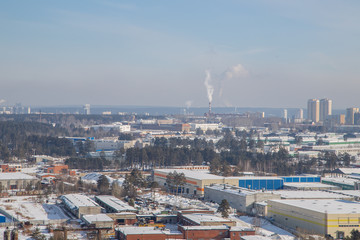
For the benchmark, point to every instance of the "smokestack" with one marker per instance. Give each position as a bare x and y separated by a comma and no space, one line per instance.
209,108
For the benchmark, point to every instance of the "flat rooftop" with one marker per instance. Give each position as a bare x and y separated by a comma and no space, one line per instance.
200,218
329,206
93,218
309,185
232,189
255,237
199,175
115,203
16,176
204,175
340,180
309,195
204,228
78,200
352,193
146,230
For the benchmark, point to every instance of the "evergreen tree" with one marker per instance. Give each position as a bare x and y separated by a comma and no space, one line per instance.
103,185
224,208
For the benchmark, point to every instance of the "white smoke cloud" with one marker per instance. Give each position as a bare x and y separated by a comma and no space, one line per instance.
2,101
209,87
237,71
188,104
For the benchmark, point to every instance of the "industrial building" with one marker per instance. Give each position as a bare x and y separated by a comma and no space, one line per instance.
288,194
200,219
241,199
80,205
195,180
194,226
113,205
334,218
16,180
344,183
146,233
98,220
309,186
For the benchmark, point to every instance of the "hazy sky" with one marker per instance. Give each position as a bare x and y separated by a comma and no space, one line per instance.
106,52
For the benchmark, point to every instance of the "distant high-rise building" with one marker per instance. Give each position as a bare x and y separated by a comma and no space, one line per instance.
357,118
325,109
313,110
342,119
301,113
87,109
350,112
285,114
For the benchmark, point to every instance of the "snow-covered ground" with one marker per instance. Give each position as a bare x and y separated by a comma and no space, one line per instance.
180,202
27,208
268,230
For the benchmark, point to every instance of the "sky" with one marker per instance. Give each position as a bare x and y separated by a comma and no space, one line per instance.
258,53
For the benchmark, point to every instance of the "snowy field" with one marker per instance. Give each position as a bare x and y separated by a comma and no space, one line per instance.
25,235
27,208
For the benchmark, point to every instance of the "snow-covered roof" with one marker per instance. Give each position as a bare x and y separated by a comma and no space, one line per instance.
146,230
115,203
199,175
219,227
93,218
255,237
340,180
199,218
232,189
308,185
329,206
94,177
309,195
16,176
77,200
203,175
350,170
352,193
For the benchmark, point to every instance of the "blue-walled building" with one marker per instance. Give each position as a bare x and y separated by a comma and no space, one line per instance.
274,183
258,183
304,179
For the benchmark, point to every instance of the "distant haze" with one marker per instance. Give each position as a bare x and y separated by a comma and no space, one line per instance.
156,53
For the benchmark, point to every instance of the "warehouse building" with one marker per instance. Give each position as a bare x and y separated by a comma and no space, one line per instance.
80,205
261,183
336,218
350,193
123,218
311,186
343,183
195,180
146,233
98,221
199,219
113,204
241,199
16,180
288,194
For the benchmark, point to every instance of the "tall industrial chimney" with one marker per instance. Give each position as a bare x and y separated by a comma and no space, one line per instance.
209,108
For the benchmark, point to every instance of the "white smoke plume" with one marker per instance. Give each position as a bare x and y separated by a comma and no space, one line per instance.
237,71
188,104
209,87
2,101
